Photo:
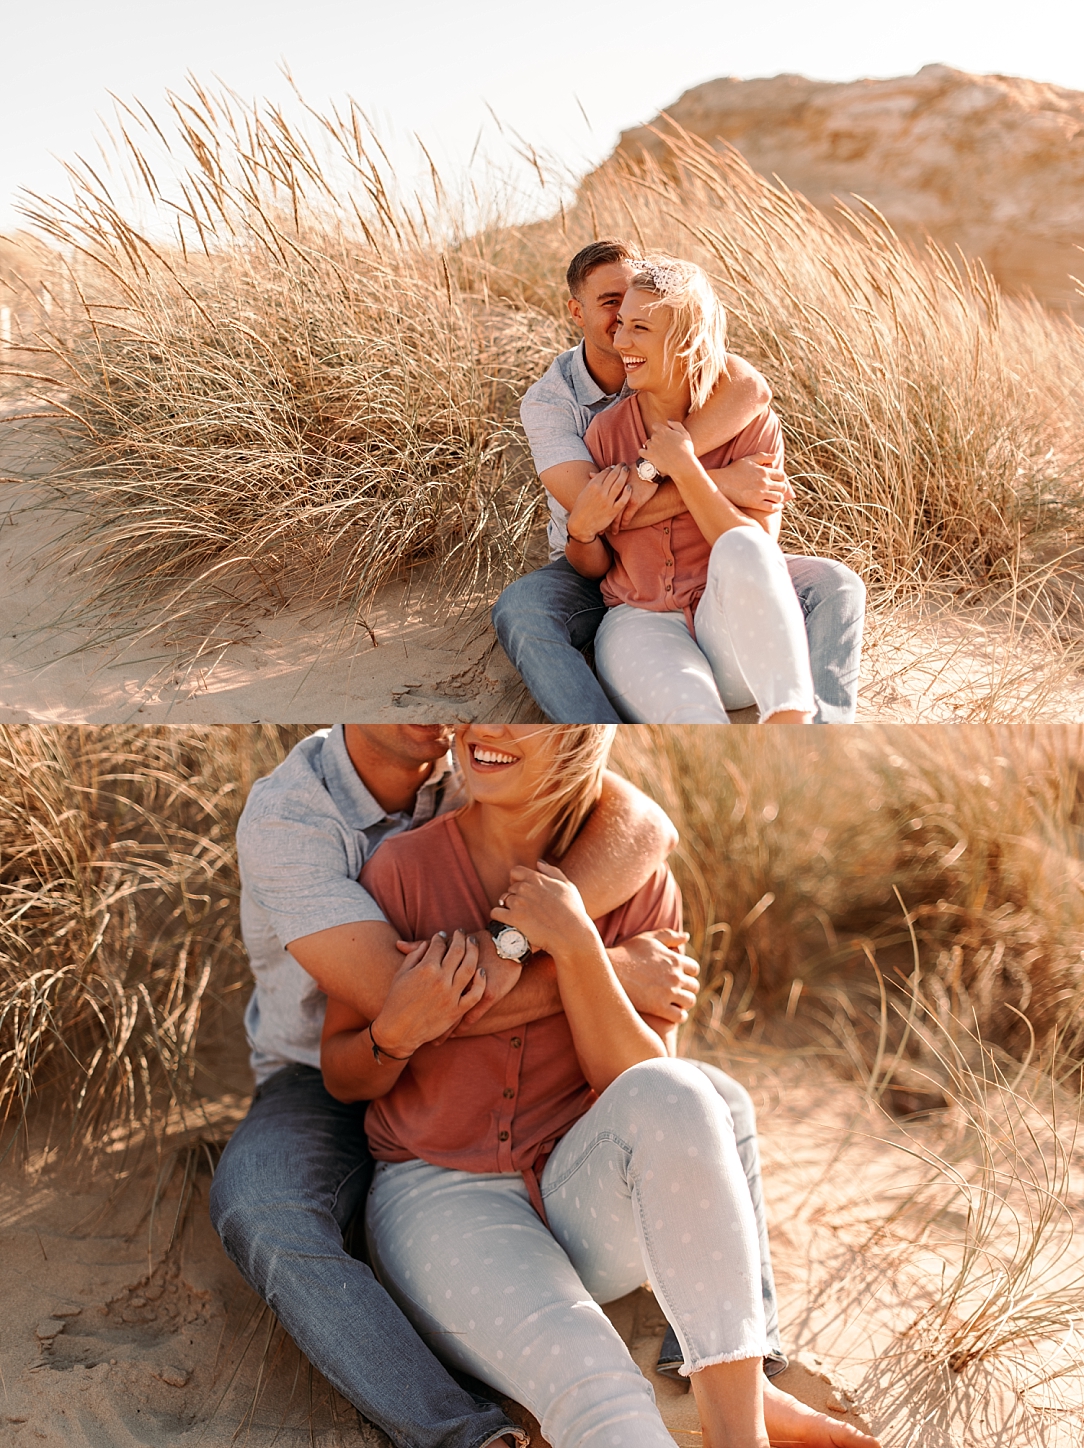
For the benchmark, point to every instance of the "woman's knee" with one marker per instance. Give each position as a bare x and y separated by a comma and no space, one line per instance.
744,550
738,1101
676,1090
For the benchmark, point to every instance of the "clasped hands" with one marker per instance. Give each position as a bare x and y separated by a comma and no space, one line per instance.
449,982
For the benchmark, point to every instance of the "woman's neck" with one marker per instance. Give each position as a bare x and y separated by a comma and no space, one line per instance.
497,838
659,407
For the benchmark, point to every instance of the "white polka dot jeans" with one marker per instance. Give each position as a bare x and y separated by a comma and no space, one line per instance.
647,1184
750,646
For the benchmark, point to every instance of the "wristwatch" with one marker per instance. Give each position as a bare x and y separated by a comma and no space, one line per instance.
511,943
647,471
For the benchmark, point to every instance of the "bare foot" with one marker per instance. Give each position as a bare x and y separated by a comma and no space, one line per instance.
789,1421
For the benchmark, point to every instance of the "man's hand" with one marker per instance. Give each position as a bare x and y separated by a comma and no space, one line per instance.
754,483
500,976
658,978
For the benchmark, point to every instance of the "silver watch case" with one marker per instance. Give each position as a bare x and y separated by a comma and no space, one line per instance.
510,943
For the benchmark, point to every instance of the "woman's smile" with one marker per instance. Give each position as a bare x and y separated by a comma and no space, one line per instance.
487,759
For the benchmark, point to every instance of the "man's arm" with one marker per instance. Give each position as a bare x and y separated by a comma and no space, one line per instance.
738,398
623,841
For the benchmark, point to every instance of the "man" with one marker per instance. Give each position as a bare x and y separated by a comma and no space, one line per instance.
546,618
298,1167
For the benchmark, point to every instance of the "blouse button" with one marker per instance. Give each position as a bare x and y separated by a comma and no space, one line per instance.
666,530
508,1093
502,1136
515,1041
668,590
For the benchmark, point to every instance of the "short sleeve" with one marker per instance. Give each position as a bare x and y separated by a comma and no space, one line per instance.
655,906
554,429
763,435
383,877
299,871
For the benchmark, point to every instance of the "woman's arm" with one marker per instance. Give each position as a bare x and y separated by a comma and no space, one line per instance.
437,983
608,1034
671,450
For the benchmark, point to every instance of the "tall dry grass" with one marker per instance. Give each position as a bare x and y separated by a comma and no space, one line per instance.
291,397
285,379
817,867
931,424
118,896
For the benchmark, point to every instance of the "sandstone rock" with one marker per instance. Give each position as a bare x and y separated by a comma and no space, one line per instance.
991,163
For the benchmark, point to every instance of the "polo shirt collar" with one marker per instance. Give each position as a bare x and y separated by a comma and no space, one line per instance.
587,390
354,801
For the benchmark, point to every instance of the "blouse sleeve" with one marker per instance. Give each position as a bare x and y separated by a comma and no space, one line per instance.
599,443
655,906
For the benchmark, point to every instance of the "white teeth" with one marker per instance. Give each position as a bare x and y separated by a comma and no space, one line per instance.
490,756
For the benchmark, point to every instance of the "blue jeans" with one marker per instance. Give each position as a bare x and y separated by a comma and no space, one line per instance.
546,618
291,1178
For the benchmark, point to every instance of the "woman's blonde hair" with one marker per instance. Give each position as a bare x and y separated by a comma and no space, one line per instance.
696,337
573,780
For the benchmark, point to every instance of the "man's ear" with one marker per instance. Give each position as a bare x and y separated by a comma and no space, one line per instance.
576,309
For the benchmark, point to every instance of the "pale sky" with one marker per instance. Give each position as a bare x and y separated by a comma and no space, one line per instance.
416,65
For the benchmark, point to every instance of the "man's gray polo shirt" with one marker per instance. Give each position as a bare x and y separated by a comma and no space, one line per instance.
305,832
556,412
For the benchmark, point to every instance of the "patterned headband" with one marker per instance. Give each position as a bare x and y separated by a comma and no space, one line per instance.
664,279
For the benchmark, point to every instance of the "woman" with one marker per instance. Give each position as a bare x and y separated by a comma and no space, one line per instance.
526,1176
702,613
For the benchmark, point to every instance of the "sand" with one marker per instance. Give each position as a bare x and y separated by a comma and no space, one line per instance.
125,1324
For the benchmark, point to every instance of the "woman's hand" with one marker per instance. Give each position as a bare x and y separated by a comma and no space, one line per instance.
670,449
437,984
601,500
548,908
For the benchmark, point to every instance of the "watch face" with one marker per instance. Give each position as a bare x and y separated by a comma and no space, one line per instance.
647,471
512,944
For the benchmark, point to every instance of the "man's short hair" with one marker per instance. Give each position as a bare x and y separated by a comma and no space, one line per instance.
598,253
